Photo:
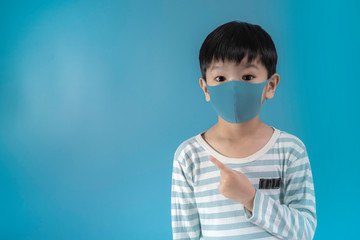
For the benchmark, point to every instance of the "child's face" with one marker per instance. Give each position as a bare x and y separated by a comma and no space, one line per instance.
254,72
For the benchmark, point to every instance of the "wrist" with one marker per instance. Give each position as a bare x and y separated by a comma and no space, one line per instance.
250,204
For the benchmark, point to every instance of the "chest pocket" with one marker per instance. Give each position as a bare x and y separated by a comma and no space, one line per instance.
269,183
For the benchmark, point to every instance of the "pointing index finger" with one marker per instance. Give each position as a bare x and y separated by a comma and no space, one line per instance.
218,164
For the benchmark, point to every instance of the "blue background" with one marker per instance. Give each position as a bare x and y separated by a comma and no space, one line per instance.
95,97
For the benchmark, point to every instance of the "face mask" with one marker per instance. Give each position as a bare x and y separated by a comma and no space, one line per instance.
237,101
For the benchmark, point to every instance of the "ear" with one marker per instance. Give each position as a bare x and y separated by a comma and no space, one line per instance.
204,88
271,86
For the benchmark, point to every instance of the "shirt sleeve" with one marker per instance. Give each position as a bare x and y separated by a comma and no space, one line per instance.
296,217
184,212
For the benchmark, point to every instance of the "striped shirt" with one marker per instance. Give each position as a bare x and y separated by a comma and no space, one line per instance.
284,203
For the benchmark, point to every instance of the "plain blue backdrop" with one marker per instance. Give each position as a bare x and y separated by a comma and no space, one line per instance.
95,97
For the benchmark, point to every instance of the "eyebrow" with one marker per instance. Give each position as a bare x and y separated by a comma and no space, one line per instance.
213,67
249,65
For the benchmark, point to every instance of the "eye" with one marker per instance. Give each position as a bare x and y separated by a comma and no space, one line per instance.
221,77
248,76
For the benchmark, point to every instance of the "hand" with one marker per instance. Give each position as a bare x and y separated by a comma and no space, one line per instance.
235,185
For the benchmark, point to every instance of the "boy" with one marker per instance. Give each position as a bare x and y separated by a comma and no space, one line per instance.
241,179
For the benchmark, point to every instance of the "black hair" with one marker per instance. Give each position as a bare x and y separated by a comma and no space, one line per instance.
235,40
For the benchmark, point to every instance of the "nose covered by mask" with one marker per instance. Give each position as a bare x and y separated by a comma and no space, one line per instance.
237,101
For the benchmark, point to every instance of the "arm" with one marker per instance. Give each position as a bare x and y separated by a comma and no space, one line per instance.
184,213
296,218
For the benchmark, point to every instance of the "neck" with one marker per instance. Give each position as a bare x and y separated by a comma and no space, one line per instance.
238,131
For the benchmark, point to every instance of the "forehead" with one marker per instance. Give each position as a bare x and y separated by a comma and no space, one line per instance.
244,64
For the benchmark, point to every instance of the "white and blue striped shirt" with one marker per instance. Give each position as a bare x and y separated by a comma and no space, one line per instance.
281,211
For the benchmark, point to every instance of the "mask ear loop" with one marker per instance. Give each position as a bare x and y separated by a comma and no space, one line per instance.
265,99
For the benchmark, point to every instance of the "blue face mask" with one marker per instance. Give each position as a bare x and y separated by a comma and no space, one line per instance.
237,101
